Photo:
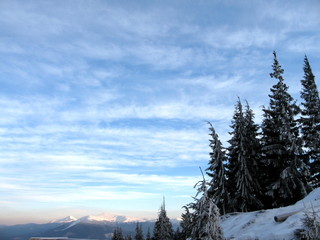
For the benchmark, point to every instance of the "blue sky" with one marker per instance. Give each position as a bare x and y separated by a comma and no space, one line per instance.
104,103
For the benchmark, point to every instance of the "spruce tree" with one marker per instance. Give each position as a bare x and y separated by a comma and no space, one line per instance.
148,237
282,145
206,224
252,141
117,234
252,161
234,153
310,122
163,227
139,232
216,170
243,161
186,223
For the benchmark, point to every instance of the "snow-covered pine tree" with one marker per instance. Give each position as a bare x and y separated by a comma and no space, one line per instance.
252,147
163,227
310,122
252,139
186,223
282,145
206,224
216,170
139,232
243,160
234,152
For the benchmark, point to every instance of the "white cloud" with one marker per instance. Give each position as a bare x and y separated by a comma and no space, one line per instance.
304,45
241,38
162,181
291,16
170,110
105,100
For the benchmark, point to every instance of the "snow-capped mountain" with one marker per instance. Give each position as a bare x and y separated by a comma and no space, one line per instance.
260,225
107,217
99,227
67,219
103,217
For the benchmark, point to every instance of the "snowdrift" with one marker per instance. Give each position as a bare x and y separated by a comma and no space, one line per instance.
262,224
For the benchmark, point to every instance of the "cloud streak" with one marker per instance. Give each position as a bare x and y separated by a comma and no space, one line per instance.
105,103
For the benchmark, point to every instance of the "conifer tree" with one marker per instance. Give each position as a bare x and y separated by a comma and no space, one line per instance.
252,161
243,161
216,170
139,232
234,152
163,227
252,140
282,145
310,122
148,237
206,224
117,234
186,223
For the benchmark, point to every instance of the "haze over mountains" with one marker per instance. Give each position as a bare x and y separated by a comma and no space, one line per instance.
240,226
93,227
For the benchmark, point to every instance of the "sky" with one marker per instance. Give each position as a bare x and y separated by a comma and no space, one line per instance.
104,104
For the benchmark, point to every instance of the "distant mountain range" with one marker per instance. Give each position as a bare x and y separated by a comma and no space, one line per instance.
91,227
248,225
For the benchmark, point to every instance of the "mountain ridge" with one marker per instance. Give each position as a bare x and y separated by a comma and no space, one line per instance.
103,217
236,226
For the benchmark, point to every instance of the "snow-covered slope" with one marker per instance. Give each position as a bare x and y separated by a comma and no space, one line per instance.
261,224
65,220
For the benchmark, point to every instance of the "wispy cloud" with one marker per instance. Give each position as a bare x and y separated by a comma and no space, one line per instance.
104,101
241,38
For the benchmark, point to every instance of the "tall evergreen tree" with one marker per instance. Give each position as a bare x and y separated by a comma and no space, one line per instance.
234,153
163,227
206,225
252,152
216,170
243,160
139,232
281,144
310,122
186,223
252,141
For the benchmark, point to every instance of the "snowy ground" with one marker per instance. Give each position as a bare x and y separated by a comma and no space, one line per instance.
261,224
